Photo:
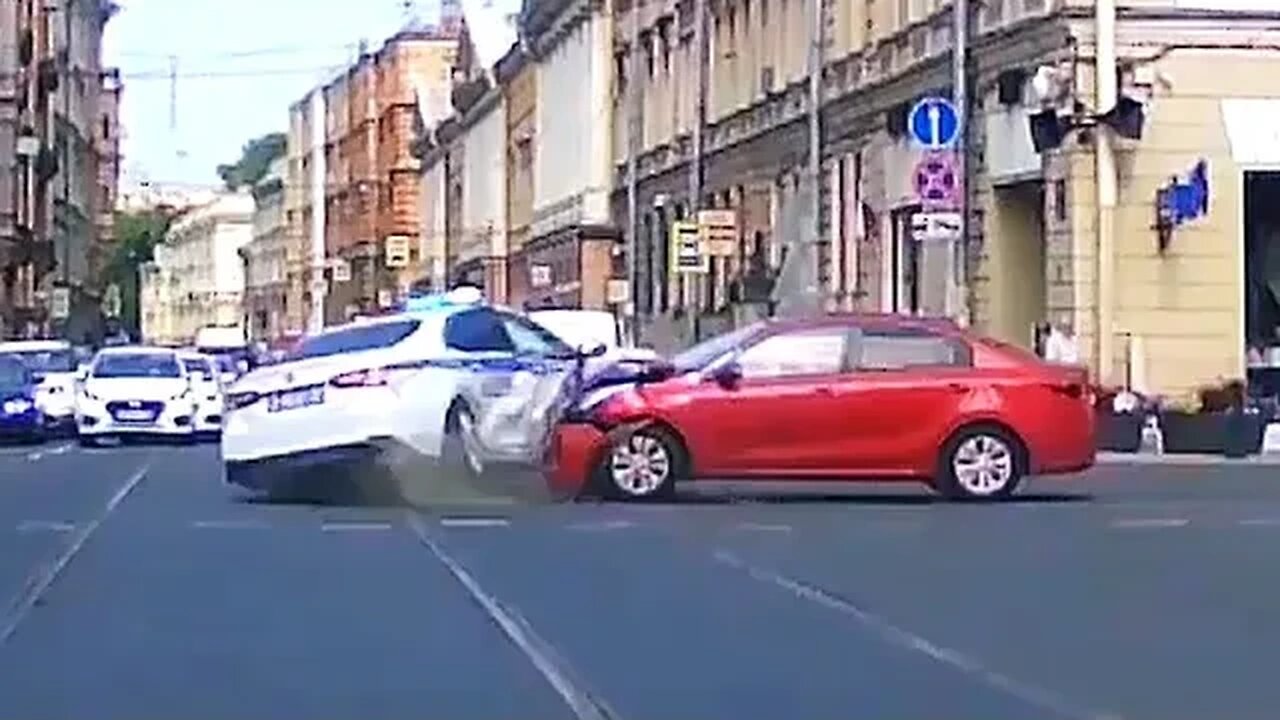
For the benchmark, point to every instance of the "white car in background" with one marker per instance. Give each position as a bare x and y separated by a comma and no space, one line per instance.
206,383
53,363
132,391
592,328
451,383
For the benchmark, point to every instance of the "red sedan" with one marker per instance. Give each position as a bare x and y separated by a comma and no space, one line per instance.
841,397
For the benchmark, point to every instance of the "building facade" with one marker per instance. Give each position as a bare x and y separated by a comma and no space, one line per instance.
526,160
266,261
372,188
197,277
1163,310
52,89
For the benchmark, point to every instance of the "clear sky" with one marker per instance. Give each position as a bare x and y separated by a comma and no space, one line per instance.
240,64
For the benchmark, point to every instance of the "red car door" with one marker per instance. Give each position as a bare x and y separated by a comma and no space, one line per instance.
780,418
906,390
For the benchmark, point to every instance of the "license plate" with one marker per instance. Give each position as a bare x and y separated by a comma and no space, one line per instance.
134,415
296,399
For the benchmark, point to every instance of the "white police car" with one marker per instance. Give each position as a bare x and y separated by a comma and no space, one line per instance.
450,382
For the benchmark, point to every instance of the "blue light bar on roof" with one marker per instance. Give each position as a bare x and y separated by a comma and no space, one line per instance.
457,297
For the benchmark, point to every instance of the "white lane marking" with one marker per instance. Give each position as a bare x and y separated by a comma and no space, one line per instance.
38,584
474,522
894,635
1259,522
763,527
27,526
230,525
355,527
601,526
37,455
1148,523
583,704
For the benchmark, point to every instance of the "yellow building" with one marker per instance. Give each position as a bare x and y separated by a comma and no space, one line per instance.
1204,78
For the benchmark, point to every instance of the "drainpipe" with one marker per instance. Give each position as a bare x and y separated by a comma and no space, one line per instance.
634,130
1104,154
695,166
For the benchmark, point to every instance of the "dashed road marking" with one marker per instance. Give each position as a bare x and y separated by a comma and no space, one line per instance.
582,703
601,526
39,583
230,525
355,527
900,637
29,526
474,522
42,453
1149,523
763,527
1259,522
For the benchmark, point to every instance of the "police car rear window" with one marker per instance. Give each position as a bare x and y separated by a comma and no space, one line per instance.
355,339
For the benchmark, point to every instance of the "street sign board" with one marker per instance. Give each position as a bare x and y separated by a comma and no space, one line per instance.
936,182
60,307
934,123
341,271
539,275
617,291
687,254
386,298
397,251
936,226
719,232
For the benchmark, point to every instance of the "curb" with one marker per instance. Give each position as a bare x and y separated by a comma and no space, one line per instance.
1110,458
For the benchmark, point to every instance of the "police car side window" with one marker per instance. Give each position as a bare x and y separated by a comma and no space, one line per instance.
478,330
533,339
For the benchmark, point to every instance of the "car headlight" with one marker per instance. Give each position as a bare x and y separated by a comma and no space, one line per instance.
17,406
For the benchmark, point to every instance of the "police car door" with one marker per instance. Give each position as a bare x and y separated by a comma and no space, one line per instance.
502,380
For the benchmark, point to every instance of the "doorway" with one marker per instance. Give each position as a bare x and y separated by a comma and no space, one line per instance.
1016,262
1262,279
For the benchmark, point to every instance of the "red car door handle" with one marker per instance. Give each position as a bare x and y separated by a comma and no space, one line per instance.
957,387
824,391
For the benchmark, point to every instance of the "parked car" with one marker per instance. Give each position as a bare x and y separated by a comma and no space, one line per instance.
841,397
135,391
206,384
53,367
20,417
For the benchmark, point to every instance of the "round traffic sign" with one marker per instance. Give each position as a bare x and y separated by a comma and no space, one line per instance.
934,122
936,180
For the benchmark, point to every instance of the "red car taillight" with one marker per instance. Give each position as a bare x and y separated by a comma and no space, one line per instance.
360,378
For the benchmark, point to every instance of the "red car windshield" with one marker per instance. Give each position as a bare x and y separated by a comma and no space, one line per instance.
702,354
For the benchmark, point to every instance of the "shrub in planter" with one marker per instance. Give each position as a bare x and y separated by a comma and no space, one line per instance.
1116,431
1221,425
1119,432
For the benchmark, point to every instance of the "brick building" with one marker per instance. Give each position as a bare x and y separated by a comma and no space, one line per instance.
371,187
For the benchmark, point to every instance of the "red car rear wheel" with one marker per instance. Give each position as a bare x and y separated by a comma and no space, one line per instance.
981,462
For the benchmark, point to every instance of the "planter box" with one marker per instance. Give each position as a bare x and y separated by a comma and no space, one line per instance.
1212,433
1119,432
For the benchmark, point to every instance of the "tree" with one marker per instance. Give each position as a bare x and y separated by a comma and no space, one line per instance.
137,234
255,160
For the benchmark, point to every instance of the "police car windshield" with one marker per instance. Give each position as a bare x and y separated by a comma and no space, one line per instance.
354,339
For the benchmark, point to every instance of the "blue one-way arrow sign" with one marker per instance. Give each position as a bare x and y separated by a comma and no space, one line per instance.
934,122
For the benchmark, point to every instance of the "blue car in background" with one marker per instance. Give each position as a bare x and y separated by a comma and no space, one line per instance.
19,416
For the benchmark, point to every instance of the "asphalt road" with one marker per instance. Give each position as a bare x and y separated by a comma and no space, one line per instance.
141,588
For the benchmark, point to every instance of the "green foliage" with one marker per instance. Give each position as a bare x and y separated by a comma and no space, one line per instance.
137,234
255,160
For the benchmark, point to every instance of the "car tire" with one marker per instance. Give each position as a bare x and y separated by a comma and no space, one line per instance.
980,462
641,465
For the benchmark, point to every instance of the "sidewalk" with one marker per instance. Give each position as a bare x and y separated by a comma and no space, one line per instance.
1115,458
